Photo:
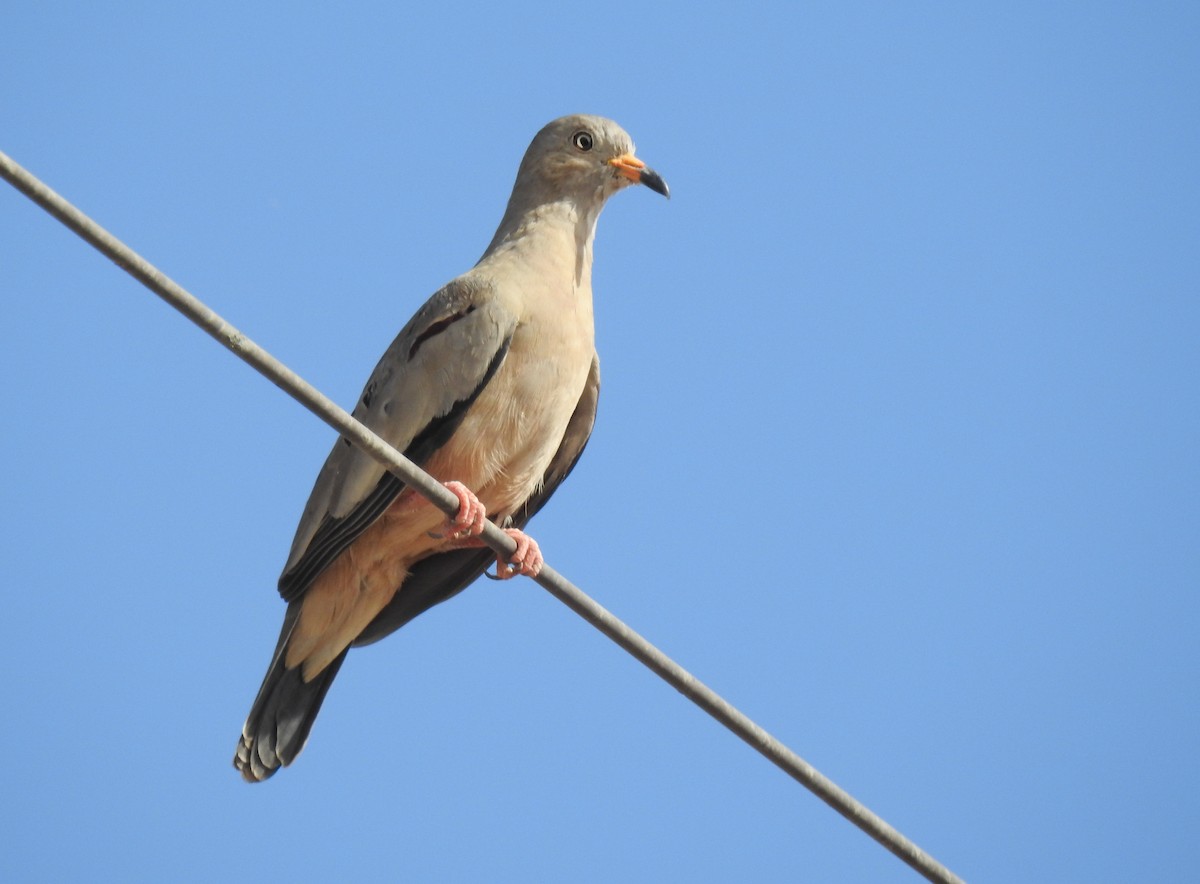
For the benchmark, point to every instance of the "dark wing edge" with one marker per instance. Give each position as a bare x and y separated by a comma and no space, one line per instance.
443,576
335,535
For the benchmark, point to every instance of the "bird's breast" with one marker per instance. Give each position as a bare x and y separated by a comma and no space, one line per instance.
505,443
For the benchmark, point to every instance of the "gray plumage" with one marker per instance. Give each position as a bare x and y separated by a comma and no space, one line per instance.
492,383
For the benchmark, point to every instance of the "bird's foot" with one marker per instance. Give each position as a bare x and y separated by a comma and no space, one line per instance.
526,561
467,525
471,515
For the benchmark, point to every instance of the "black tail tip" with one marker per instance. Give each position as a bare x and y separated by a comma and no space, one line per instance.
250,764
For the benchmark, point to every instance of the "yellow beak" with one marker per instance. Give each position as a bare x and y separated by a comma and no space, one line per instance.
637,171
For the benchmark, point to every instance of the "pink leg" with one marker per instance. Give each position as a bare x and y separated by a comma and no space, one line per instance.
527,560
467,525
472,514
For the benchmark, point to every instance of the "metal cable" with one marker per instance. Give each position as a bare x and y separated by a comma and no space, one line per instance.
565,591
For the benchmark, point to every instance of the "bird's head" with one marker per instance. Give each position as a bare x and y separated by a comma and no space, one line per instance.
586,156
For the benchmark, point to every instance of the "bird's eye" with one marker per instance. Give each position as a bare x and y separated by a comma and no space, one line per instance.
582,140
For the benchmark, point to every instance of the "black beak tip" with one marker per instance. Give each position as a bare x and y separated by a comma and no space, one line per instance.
655,182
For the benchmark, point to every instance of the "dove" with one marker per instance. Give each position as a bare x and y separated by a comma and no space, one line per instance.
492,389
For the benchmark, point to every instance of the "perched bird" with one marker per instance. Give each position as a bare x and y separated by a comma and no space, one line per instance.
491,388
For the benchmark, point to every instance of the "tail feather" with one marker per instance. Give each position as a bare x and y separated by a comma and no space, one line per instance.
283,712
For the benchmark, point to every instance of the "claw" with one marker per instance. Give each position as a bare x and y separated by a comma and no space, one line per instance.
467,525
472,514
526,560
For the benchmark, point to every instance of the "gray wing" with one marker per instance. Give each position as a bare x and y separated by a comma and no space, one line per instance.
415,399
441,576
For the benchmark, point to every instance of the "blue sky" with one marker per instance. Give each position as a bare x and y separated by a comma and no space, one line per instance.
897,445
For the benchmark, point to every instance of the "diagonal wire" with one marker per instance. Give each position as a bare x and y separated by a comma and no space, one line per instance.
561,588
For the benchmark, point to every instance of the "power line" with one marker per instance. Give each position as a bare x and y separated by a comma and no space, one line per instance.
561,588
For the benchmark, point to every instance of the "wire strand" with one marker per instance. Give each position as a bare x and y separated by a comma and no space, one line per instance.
561,588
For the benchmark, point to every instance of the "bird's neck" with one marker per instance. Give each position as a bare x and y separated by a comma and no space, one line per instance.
553,239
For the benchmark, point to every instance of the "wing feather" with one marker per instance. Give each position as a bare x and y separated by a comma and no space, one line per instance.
417,396
440,577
